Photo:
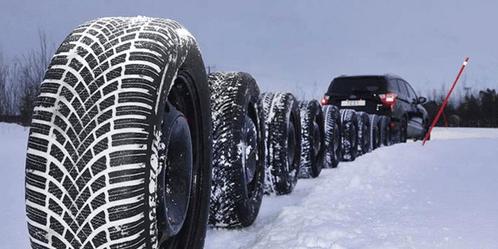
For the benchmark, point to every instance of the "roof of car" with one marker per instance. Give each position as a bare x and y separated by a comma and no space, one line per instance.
389,76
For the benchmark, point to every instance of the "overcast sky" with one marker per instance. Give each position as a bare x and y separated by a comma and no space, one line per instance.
298,46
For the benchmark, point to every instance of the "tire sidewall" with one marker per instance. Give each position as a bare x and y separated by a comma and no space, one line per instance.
317,163
248,206
192,234
293,116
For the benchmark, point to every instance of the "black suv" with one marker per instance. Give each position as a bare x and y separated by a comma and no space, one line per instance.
385,95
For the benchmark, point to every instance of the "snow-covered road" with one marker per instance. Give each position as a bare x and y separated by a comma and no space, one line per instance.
442,195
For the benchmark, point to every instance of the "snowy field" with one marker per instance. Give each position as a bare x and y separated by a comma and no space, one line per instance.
442,195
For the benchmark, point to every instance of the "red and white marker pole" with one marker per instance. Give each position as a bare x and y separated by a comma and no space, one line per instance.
445,102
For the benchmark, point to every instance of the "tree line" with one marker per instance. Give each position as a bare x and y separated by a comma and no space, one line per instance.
474,109
20,84
20,80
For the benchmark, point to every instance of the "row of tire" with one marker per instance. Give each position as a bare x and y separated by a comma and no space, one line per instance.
132,145
262,144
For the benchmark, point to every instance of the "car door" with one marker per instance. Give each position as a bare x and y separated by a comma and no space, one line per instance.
415,120
403,100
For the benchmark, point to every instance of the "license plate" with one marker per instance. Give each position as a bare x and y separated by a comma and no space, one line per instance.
353,103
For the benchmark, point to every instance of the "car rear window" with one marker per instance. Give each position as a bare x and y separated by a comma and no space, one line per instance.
352,85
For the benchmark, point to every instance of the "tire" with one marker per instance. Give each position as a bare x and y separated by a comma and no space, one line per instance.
312,139
283,146
100,171
332,136
426,130
363,133
385,131
403,130
238,150
349,134
375,129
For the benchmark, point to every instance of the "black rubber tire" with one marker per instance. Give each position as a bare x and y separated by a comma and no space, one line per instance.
363,133
235,199
281,110
332,136
312,128
385,131
426,125
349,135
375,129
265,100
403,130
93,155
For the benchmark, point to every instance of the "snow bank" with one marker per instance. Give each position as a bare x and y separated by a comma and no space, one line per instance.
463,133
442,195
13,144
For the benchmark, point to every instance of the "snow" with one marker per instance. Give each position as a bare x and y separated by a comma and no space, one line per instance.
441,195
13,144
460,133
393,197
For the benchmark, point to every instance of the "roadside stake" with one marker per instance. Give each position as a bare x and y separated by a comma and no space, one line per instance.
445,102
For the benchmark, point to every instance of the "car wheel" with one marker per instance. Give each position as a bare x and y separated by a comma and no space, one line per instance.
312,143
283,143
238,150
119,151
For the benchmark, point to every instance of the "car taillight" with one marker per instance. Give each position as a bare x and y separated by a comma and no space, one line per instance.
388,99
325,100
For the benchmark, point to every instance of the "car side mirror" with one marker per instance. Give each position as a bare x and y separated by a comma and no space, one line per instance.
421,100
